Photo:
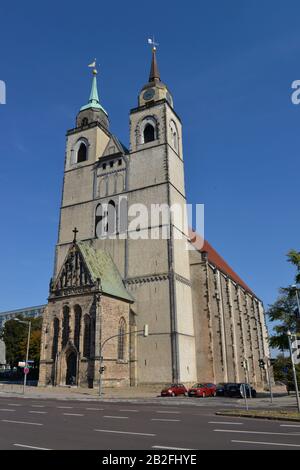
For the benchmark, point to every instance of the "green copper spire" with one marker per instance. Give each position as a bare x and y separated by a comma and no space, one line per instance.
94,97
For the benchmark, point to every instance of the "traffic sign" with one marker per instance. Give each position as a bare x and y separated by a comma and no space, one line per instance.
26,370
296,350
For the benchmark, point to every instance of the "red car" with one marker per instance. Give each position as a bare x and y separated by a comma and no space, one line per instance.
173,390
203,390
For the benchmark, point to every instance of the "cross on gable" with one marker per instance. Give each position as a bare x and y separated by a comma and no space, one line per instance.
75,231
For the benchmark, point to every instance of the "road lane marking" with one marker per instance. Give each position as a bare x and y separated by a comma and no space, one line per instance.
21,422
259,432
6,409
30,447
162,419
72,414
117,417
38,406
223,422
290,425
268,443
171,448
95,409
38,412
65,407
169,412
133,411
126,432
13,404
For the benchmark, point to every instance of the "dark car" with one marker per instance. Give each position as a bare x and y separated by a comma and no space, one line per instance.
222,389
173,390
238,390
235,390
203,390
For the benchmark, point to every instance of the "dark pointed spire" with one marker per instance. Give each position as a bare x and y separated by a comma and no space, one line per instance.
154,72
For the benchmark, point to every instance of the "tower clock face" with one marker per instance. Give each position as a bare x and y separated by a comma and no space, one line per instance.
148,94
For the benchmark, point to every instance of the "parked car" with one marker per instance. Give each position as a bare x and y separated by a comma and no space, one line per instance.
237,390
173,390
203,390
222,389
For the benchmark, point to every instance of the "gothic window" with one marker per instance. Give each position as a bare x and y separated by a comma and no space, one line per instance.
149,133
87,337
111,218
147,130
121,339
106,219
100,221
78,313
55,338
66,325
82,153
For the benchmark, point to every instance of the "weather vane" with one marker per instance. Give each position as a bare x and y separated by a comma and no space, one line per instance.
93,66
153,43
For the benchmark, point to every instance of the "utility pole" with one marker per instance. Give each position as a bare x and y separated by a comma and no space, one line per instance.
289,334
25,369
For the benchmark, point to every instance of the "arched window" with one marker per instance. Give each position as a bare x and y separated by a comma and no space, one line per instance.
87,337
106,219
77,328
55,338
121,339
66,326
100,221
111,218
149,133
84,121
82,153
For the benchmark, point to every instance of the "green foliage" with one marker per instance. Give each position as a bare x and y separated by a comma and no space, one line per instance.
283,311
14,335
281,375
294,258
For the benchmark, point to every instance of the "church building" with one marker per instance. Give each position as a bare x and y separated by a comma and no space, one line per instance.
113,276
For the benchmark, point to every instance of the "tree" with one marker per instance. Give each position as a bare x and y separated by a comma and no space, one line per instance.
14,335
283,372
294,258
284,310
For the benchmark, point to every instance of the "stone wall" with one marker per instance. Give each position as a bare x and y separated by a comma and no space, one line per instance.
229,326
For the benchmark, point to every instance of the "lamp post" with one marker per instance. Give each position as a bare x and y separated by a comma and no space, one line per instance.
144,331
27,348
289,334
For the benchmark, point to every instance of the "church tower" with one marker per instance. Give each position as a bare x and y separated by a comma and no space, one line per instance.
158,275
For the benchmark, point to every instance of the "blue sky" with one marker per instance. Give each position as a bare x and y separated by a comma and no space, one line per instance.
229,65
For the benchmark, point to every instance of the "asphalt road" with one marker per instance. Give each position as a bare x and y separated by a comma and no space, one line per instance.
64,424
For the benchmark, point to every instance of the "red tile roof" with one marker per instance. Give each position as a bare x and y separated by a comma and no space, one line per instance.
215,259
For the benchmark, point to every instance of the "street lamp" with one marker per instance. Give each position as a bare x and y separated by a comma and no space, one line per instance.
27,349
145,332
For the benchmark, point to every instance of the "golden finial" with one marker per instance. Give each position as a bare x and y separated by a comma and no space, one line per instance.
153,43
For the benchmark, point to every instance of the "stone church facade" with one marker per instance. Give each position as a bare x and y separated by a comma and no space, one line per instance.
111,277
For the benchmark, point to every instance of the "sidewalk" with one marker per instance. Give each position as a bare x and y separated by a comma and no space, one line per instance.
78,393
